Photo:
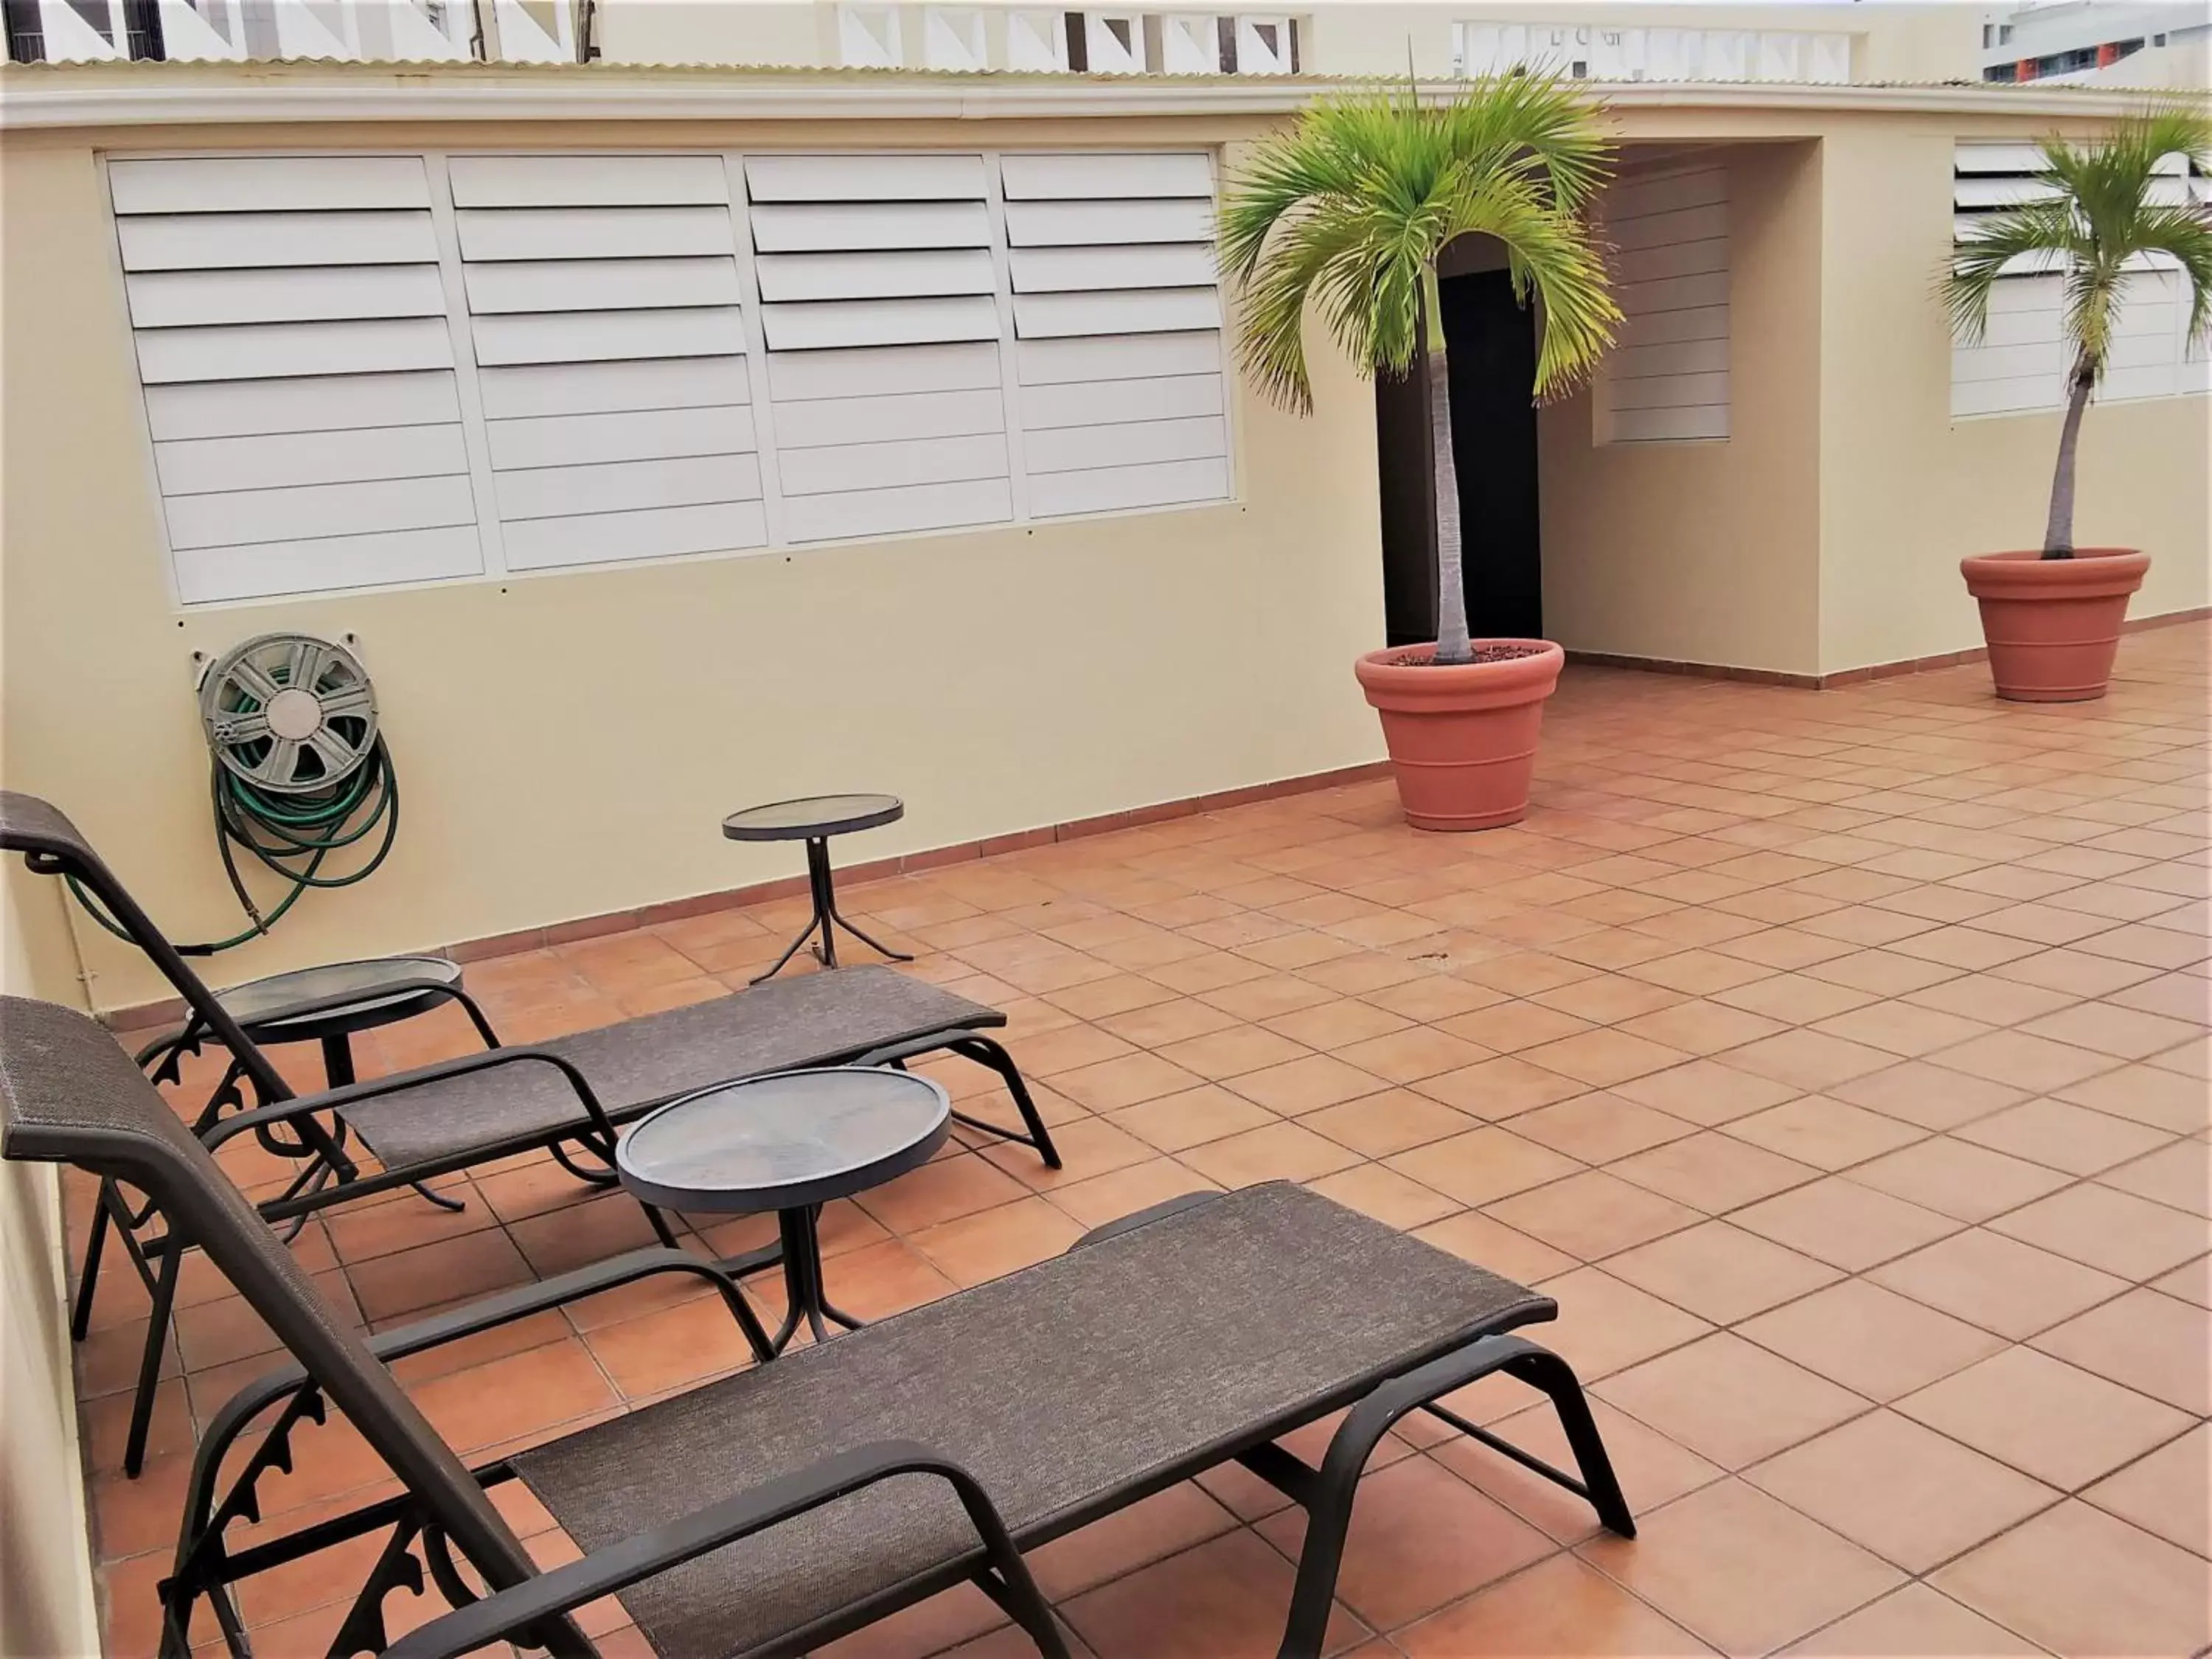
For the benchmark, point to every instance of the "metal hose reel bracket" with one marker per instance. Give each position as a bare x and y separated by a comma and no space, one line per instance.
289,713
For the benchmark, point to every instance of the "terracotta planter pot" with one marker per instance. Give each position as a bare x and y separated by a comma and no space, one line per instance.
2053,625
1463,739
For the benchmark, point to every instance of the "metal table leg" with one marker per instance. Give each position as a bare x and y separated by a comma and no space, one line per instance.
821,889
802,1280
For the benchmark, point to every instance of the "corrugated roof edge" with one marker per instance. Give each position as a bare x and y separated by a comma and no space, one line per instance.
132,93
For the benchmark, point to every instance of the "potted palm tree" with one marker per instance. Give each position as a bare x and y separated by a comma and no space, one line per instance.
2053,618
1349,210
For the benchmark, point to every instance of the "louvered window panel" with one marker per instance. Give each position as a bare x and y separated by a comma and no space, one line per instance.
292,342
605,312
1669,378
1118,323
369,370
2020,362
879,306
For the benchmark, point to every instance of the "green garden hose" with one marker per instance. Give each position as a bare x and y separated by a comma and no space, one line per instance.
292,836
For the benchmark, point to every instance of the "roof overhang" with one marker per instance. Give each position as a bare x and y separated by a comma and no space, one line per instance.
62,96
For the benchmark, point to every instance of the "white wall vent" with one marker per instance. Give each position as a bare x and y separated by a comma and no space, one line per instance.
1668,377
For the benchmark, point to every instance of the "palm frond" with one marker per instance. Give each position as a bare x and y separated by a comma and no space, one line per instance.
1346,212
2018,233
2186,235
2097,221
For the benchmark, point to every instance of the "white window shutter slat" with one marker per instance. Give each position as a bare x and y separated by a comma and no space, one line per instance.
606,315
1118,321
1667,380
298,370
879,266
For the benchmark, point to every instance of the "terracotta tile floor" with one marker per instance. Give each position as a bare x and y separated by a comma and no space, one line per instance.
1836,1060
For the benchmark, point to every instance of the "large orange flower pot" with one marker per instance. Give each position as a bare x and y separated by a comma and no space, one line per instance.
1462,738
2053,625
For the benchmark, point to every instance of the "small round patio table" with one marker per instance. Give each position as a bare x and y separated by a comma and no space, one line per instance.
813,820
788,1142
330,1005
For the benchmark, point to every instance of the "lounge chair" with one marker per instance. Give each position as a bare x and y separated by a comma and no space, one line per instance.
568,1095
807,1496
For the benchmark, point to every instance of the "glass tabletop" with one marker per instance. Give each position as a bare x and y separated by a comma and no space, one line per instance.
780,1142
371,986
812,815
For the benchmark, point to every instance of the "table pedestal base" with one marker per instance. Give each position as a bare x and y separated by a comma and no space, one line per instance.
827,917
802,1280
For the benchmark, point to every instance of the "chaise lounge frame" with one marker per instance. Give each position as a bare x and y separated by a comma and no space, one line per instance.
1345,1312
857,1016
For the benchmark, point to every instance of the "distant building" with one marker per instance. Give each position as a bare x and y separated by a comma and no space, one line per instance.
2135,43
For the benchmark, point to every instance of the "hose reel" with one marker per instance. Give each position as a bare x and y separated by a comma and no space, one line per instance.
289,713
298,771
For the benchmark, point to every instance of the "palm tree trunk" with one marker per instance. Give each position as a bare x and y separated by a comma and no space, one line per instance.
2059,533
1452,645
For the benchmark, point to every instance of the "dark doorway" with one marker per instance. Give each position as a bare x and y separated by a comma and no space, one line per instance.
1490,341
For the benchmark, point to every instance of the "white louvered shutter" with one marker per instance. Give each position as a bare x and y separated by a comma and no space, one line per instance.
298,370
1668,379
604,306
1118,321
879,303
2020,362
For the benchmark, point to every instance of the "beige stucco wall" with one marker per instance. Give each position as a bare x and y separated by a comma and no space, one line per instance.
1709,551
1906,490
47,1604
567,743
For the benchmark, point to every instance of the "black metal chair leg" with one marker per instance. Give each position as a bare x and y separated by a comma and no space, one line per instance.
987,1053
1327,1493
149,1362
88,1278
477,1017
1544,1370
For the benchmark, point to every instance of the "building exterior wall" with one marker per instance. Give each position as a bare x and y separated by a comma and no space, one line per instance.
567,744
1708,551
1906,490
1930,41
791,33
567,741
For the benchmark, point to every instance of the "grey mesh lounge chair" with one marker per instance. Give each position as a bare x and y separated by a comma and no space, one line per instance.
568,1095
777,1509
